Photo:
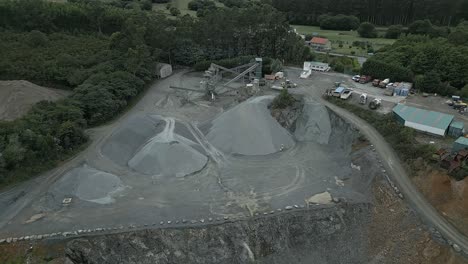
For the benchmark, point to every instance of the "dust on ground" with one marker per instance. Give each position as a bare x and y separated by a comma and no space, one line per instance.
396,233
448,196
17,97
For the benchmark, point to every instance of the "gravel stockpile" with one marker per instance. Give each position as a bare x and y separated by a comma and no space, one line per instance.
89,184
130,136
313,124
168,154
249,129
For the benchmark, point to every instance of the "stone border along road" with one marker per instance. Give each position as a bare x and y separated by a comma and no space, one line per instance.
429,214
175,223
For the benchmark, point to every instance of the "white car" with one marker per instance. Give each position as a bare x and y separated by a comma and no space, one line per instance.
356,78
305,74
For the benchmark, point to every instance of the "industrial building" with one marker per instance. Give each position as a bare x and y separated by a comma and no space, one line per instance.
316,66
456,129
460,143
431,122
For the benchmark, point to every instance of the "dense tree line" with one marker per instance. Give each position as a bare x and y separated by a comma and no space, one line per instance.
105,55
436,65
338,22
379,12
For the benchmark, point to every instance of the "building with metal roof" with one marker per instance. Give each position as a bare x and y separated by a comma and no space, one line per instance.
456,129
431,122
460,143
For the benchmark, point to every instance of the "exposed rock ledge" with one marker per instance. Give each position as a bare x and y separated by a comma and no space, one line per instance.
327,234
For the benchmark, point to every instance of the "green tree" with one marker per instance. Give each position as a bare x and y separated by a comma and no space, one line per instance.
37,38
174,11
394,31
367,30
421,27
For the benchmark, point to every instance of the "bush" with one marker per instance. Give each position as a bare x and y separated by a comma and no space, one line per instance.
283,100
174,11
367,30
381,70
146,4
394,31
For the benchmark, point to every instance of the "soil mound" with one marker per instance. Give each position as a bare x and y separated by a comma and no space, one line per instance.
17,97
249,129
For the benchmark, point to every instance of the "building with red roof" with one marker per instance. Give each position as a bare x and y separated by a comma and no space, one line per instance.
318,43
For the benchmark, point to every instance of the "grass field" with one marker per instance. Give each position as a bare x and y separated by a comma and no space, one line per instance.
347,37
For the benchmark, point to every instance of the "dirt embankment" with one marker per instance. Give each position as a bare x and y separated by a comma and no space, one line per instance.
17,97
446,194
327,235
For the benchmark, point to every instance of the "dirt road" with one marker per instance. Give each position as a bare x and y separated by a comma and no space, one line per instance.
428,213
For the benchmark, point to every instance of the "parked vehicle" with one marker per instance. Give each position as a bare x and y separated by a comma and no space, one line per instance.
346,94
279,75
305,74
365,79
389,85
356,78
383,84
363,99
375,82
374,104
288,84
338,91
459,105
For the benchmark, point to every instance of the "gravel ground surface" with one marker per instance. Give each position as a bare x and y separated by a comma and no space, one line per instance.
176,156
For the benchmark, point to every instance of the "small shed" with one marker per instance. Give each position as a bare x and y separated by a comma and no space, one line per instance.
460,143
456,129
163,70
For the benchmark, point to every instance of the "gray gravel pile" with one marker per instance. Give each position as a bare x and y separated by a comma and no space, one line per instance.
313,124
249,129
122,145
89,184
168,154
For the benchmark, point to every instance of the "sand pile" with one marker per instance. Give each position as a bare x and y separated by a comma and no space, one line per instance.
313,124
249,129
17,97
168,154
90,185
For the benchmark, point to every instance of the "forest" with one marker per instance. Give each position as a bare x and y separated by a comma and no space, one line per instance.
106,55
435,64
379,12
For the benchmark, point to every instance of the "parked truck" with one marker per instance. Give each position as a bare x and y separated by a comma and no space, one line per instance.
374,104
375,82
383,84
365,79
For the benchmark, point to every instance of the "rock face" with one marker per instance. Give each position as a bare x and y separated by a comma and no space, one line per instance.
329,234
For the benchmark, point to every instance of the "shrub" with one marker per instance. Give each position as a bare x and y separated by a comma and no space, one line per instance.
283,100
394,31
174,11
367,30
